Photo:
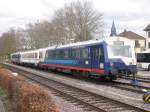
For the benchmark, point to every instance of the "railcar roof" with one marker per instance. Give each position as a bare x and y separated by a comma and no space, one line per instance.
15,53
90,42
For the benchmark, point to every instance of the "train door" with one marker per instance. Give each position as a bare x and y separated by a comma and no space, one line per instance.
97,57
40,56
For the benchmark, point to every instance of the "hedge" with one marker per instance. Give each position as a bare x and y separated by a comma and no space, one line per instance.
25,96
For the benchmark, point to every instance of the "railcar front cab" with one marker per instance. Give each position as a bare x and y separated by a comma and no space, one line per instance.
121,57
15,58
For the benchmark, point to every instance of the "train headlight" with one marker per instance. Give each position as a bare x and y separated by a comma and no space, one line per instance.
101,65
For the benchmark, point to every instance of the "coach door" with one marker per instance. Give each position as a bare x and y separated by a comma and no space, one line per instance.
97,60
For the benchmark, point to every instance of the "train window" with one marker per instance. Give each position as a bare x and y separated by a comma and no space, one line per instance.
78,53
47,54
57,54
66,54
84,53
32,55
35,55
14,56
52,54
97,53
40,55
27,55
73,53
61,54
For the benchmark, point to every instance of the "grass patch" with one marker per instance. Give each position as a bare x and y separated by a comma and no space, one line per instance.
6,102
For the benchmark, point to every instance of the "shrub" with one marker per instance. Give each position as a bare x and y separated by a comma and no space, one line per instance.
26,97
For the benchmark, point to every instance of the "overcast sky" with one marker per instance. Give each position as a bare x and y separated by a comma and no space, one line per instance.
131,15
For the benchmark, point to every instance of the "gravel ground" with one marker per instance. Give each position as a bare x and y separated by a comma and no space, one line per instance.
121,95
144,73
140,83
66,106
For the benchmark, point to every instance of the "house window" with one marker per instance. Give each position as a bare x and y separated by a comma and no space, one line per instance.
137,44
149,45
149,34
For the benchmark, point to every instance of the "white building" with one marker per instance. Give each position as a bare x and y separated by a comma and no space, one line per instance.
147,29
138,40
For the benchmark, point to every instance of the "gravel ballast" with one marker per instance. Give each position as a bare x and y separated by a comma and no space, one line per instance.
107,91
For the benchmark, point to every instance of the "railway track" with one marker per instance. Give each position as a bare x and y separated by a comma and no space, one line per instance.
140,79
88,101
114,84
130,87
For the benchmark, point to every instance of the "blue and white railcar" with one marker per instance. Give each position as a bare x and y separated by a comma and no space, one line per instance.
15,58
29,57
107,57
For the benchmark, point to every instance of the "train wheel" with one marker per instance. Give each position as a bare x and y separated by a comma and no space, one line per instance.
108,78
86,74
75,73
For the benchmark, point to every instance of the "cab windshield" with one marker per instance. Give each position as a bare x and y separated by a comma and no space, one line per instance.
120,50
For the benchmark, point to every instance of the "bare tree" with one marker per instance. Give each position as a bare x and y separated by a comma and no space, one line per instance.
79,21
76,21
9,42
39,34
61,31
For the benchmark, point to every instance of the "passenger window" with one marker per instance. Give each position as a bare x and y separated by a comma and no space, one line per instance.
47,54
97,53
35,55
84,53
101,54
52,54
77,53
57,54
66,54
40,55
61,54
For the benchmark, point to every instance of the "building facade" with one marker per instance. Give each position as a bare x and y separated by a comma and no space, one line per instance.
138,39
147,30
